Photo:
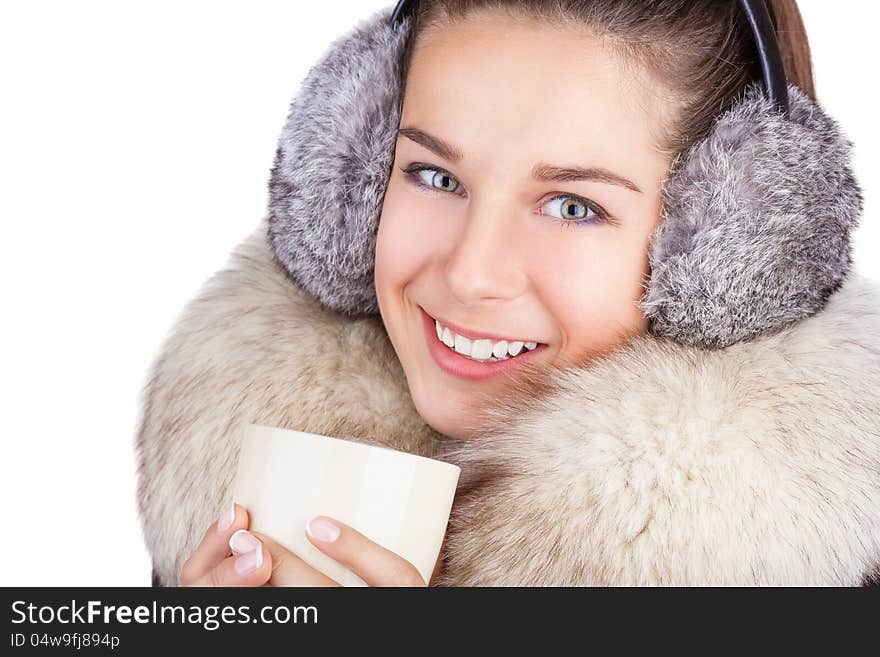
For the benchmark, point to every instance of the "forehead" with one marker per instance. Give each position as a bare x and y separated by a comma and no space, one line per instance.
532,89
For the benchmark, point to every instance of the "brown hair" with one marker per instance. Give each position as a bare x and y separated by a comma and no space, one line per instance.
700,51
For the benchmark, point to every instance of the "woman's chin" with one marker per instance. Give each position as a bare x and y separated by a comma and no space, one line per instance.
445,415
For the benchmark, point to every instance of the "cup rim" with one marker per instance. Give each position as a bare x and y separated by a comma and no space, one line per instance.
353,441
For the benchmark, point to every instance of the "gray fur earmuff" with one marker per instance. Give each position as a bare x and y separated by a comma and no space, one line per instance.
755,231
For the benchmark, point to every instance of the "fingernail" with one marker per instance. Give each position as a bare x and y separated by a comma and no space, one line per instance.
243,541
322,529
249,561
226,518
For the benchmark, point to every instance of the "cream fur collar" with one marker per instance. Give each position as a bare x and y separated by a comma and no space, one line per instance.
660,464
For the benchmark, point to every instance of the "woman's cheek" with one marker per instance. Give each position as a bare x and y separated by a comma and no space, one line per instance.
406,240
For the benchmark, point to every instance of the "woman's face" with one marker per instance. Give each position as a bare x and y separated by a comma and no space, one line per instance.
530,218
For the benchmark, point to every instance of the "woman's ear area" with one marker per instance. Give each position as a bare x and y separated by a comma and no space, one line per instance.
332,166
742,251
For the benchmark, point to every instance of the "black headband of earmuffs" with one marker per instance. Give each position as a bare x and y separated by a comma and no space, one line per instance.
772,69
756,216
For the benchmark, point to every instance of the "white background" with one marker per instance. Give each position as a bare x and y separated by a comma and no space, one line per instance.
135,146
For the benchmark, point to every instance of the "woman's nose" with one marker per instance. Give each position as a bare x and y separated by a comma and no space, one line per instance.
486,262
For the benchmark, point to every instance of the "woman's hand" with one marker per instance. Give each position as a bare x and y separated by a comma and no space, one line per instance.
230,555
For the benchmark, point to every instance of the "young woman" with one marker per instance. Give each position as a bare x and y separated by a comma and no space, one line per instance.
535,141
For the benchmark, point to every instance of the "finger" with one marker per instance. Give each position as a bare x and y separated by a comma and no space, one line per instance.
290,569
376,565
214,546
251,567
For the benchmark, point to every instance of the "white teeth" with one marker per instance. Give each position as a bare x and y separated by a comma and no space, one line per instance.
462,345
483,349
448,338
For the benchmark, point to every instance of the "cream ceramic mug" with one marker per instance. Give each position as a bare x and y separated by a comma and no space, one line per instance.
399,500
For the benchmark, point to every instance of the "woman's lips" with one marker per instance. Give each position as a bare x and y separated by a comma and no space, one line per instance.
463,367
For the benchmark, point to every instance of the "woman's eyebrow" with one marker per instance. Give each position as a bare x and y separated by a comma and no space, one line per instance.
432,143
547,172
541,171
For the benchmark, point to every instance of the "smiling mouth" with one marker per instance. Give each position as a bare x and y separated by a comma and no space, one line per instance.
488,350
474,359
475,335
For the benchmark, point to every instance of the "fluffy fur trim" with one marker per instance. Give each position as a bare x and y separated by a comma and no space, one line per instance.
658,464
756,225
662,464
252,347
332,166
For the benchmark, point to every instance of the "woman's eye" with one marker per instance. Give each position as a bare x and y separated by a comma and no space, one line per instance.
438,179
570,207
570,210
434,179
